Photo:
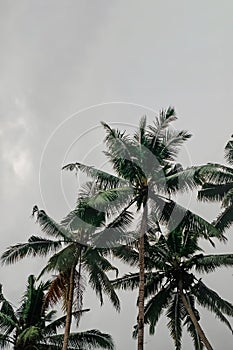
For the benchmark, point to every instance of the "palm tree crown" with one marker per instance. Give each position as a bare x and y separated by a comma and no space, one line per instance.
147,174
171,284
33,325
71,260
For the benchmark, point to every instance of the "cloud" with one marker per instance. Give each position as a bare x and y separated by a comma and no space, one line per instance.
14,142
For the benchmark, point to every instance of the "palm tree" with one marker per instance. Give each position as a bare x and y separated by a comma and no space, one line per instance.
146,169
171,285
71,259
217,185
32,325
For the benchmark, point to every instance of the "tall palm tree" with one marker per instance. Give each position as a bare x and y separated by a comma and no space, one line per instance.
33,325
218,186
146,171
171,285
72,259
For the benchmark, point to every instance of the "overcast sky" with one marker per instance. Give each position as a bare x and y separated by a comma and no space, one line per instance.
63,64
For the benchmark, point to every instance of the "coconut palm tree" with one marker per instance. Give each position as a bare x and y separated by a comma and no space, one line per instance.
72,259
218,186
171,285
146,171
33,325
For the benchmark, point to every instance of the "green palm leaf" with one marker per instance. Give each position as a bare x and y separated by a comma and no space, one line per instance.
209,263
225,219
175,313
36,246
211,300
212,192
96,266
103,179
91,339
156,305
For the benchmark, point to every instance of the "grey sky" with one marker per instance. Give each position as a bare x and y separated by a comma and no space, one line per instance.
59,57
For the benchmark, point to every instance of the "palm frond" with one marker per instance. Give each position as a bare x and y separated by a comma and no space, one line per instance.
209,263
139,135
28,335
51,228
153,281
128,281
103,179
7,324
31,309
224,219
124,155
6,307
88,340
57,290
172,140
126,254
229,151
115,233
63,260
211,300
36,246
174,215
155,307
212,192
175,314
98,279
108,200
215,174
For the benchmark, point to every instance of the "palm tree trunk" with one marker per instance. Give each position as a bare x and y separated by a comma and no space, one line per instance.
69,309
194,319
141,280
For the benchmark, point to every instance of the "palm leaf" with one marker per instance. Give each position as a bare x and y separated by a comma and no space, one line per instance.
229,151
175,313
225,219
209,263
174,215
128,281
98,278
63,260
211,300
212,192
103,179
36,246
156,305
7,324
51,228
88,340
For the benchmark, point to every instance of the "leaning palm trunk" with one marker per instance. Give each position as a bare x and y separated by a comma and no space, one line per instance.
194,319
69,308
141,280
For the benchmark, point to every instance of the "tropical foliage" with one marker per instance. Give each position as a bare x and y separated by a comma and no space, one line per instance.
33,325
218,186
147,174
172,286
131,214
75,262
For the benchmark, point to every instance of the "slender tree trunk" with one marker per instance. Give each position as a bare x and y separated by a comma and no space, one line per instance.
141,280
69,309
194,319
